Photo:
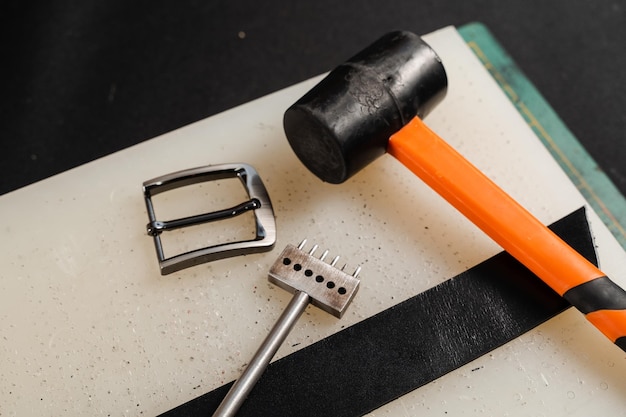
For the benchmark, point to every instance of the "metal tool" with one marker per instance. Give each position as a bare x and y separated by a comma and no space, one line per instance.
311,280
259,202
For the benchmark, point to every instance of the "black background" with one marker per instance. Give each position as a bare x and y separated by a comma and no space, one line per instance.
82,79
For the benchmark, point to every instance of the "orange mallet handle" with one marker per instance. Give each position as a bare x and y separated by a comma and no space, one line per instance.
509,224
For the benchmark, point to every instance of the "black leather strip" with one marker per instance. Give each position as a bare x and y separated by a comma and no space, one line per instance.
621,342
400,349
598,294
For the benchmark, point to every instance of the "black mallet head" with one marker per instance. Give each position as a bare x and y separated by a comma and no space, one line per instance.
345,121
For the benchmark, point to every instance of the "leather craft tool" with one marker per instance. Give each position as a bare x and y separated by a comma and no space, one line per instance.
374,103
258,202
311,280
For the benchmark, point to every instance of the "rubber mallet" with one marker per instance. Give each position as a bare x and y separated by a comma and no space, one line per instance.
374,103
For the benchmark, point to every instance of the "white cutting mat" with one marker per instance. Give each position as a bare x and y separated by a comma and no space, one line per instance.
88,326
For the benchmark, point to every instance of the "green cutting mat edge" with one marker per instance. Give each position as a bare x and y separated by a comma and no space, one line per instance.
595,186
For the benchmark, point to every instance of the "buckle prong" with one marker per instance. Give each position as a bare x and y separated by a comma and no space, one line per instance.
156,227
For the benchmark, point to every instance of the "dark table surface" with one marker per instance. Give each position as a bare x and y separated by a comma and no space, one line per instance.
83,79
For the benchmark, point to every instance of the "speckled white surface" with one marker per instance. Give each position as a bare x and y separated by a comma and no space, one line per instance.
88,326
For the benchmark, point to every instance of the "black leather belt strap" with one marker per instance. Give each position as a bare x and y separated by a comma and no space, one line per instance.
404,347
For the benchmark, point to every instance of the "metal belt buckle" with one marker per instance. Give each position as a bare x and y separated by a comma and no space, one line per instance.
259,203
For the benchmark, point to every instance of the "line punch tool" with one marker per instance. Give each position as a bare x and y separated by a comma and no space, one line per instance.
310,280
258,202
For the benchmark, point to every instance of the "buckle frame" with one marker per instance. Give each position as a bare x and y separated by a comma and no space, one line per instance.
259,203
